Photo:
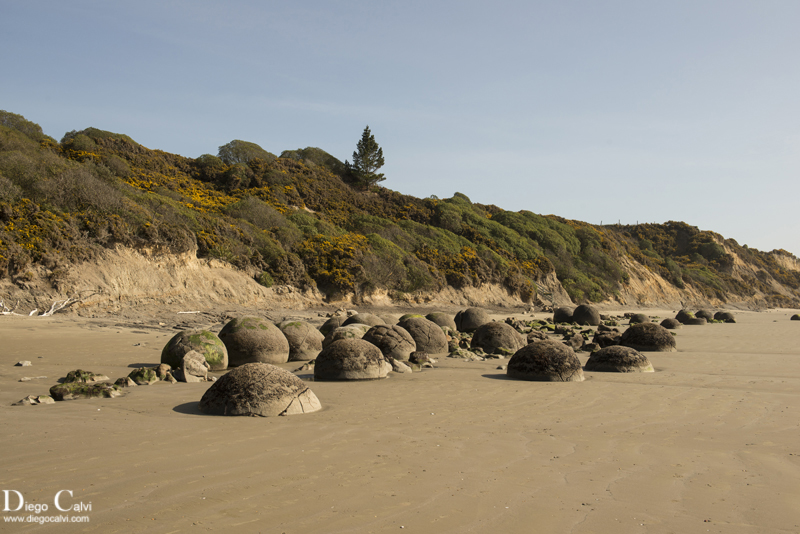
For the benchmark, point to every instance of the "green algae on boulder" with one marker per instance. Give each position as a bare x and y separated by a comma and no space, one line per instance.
253,339
83,377
205,342
82,390
144,376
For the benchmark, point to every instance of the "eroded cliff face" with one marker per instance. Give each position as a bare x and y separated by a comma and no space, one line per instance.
125,279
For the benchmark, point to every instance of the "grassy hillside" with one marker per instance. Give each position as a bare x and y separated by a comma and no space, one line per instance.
293,219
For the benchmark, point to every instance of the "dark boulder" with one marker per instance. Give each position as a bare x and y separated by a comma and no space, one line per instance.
648,337
619,359
547,361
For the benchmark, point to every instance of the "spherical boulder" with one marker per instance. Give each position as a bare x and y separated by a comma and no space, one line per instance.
586,315
563,314
648,337
619,359
442,319
203,341
364,318
638,318
493,336
470,319
427,335
305,341
724,316
253,339
688,318
393,341
259,389
704,314
351,331
334,322
545,361
671,324
351,359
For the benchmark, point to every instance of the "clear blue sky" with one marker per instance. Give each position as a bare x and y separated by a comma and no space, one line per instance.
597,111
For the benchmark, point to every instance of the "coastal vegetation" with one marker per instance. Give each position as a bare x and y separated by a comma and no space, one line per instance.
301,219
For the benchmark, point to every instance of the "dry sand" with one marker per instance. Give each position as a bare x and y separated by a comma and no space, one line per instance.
708,443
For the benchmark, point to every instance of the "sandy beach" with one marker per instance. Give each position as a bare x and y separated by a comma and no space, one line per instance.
710,442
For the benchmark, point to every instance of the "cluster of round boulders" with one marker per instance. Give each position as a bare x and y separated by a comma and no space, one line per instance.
688,318
351,331
305,341
470,319
671,324
364,318
259,389
253,339
704,314
586,315
393,341
724,316
619,359
545,361
638,318
648,337
203,341
494,336
563,314
442,319
351,359
427,335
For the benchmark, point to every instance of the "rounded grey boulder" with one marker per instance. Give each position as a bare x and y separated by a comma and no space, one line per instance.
545,361
203,341
334,322
671,324
442,319
351,331
364,318
648,337
470,319
253,339
639,318
493,336
586,315
259,389
619,359
393,341
427,335
305,341
351,359
563,314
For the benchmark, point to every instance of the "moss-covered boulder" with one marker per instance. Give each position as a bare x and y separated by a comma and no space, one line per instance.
393,341
470,319
83,377
545,361
205,342
259,389
253,339
795,317
619,359
428,336
305,341
493,336
648,337
144,376
351,359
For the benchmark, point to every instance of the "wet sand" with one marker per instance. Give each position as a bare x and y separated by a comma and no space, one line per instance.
708,443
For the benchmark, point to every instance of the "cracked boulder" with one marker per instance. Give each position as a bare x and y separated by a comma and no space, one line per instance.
351,359
393,341
254,340
259,389
442,319
428,336
351,331
305,341
545,361
619,359
491,337
648,337
368,319
205,342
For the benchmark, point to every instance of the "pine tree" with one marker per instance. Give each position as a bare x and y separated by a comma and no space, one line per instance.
367,159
